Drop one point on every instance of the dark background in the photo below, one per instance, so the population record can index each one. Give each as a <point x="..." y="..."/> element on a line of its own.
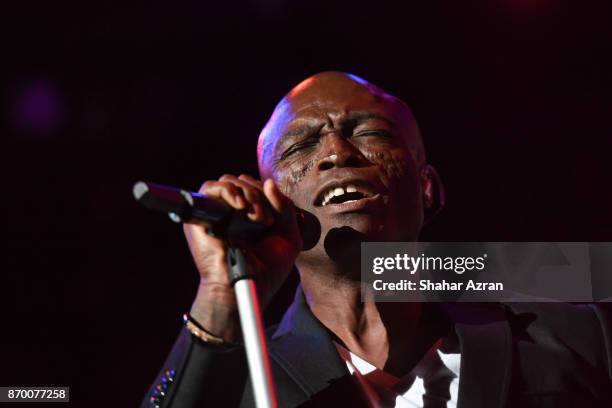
<point x="512" y="96"/>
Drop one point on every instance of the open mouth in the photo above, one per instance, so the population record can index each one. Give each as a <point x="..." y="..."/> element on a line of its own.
<point x="343" y="193"/>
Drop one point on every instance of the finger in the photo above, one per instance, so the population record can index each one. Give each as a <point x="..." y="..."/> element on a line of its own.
<point x="251" y="180"/>
<point x="229" y="192"/>
<point x="195" y="233"/>
<point x="281" y="203"/>
<point x="244" y="177"/>
<point x="243" y="181"/>
<point x="285" y="209"/>
<point x="255" y="198"/>
<point x="253" y="194"/>
<point x="199" y="238"/>
<point x="258" y="184"/>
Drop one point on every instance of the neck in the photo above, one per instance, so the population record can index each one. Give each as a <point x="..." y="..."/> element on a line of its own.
<point x="337" y="303"/>
<point x="391" y="336"/>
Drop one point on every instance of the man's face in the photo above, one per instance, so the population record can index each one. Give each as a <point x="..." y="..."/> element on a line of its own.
<point x="346" y="152"/>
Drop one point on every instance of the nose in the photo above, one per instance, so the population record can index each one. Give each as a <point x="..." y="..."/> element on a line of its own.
<point x="339" y="152"/>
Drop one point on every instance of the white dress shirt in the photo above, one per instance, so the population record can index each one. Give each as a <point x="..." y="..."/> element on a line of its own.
<point x="433" y="383"/>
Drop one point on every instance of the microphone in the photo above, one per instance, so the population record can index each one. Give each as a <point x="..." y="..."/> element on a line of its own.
<point x="195" y="208"/>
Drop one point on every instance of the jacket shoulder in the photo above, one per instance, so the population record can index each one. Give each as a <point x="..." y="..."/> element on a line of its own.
<point x="584" y="330"/>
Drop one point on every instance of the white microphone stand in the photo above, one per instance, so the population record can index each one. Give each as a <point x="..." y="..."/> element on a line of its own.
<point x="252" y="330"/>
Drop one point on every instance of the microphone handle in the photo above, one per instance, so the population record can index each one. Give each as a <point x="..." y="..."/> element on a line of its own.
<point x="195" y="208"/>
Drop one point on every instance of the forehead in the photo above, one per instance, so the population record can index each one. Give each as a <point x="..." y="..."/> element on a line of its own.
<point x="342" y="93"/>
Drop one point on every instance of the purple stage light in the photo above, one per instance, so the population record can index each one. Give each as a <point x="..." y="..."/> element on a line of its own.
<point x="38" y="108"/>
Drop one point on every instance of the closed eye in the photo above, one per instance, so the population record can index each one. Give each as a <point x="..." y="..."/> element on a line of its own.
<point x="297" y="147"/>
<point x="376" y="133"/>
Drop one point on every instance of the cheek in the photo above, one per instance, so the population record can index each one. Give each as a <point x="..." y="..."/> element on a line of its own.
<point x="394" y="165"/>
<point x="298" y="172"/>
<point x="289" y="181"/>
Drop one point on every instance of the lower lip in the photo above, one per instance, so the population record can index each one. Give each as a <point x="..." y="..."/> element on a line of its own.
<point x="355" y="205"/>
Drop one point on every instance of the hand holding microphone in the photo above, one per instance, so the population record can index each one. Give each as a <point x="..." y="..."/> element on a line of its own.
<point x="247" y="206"/>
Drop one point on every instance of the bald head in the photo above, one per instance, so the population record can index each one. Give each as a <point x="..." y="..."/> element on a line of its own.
<point x="334" y="93"/>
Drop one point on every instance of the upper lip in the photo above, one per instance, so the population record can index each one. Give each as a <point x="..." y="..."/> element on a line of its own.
<point x="368" y="188"/>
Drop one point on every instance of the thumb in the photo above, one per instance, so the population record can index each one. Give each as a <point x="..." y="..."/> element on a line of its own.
<point x="277" y="199"/>
<point x="282" y="205"/>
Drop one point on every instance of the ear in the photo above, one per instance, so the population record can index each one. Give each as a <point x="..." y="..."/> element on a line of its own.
<point x="433" y="192"/>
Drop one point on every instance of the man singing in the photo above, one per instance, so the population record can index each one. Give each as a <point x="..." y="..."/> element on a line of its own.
<point x="350" y="157"/>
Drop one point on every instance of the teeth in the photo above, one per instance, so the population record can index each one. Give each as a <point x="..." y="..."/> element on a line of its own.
<point x="338" y="191"/>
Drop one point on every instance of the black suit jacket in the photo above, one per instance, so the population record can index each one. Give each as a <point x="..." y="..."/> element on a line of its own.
<point x="520" y="355"/>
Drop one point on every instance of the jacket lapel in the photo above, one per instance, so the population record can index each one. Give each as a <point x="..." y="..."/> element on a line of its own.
<point x="485" y="342"/>
<point x="304" y="349"/>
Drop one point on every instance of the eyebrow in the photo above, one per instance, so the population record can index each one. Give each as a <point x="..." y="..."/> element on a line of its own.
<point x="300" y="130"/>
<point x="353" y="119"/>
<point x="356" y="118"/>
